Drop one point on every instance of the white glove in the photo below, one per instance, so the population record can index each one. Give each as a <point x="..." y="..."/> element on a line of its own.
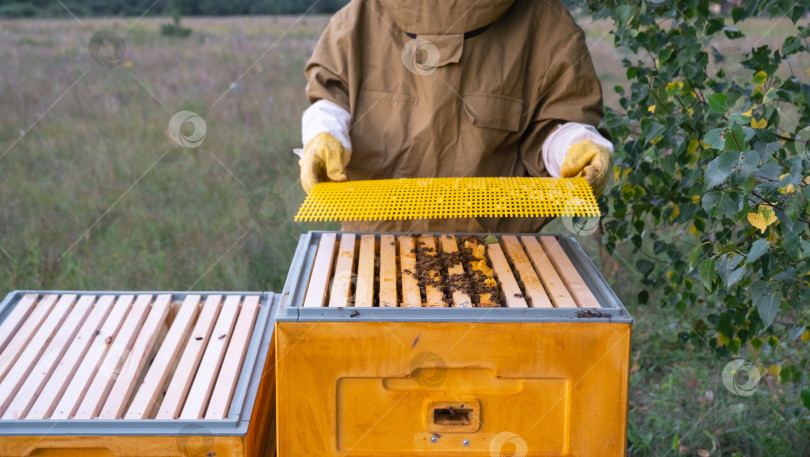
<point x="558" y="143"/>
<point x="325" y="116"/>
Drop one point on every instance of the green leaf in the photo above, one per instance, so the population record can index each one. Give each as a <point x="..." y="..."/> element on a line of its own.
<point x="709" y="201"/>
<point x="715" y="139"/>
<point x="720" y="168"/>
<point x="707" y="273"/>
<point x="806" y="398"/>
<point x="758" y="249"/>
<point x="738" y="14"/>
<point x="765" y="300"/>
<point x="718" y="103"/>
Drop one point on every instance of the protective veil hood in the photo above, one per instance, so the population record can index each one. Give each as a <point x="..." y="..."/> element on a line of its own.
<point x="444" y="17"/>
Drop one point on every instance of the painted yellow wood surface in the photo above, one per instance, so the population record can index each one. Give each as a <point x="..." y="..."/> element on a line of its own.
<point x="365" y="389"/>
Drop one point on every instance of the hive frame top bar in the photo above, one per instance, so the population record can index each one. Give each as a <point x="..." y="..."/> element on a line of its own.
<point x="241" y="407"/>
<point x="294" y="291"/>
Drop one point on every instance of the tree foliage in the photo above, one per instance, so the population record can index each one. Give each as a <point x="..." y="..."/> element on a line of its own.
<point x="712" y="171"/>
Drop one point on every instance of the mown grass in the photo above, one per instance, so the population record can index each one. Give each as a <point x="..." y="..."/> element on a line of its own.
<point x="95" y="196"/>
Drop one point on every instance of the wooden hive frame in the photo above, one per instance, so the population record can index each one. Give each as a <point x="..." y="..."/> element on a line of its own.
<point x="119" y="360"/>
<point x="445" y="270"/>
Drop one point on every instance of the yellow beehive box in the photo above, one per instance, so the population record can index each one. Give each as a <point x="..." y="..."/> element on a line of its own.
<point x="449" y="345"/>
<point x="126" y="374"/>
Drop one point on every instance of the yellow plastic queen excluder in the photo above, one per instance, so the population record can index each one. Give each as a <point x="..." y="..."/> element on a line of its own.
<point x="440" y="198"/>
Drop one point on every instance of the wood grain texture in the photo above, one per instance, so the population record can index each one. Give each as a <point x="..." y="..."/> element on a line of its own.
<point x="26" y="331"/>
<point x="321" y="269"/>
<point x="121" y="391"/>
<point x="84" y="375"/>
<point x="234" y="358"/>
<point x="388" y="272"/>
<point x="114" y="360"/>
<point x="448" y="244"/>
<point x="16" y="318"/>
<point x="32" y="352"/>
<point x="206" y="376"/>
<point x="173" y="343"/>
<point x="569" y="274"/>
<point x="364" y="289"/>
<point x="341" y="293"/>
<point x="434" y="297"/>
<point x="184" y="374"/>
<point x="557" y="292"/>
<point x="511" y="291"/>
<point x="65" y="370"/>
<point x="411" y="297"/>
<point x="32" y="386"/>
<point x="531" y="283"/>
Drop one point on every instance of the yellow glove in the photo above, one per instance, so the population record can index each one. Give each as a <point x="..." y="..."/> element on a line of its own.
<point x="323" y="160"/>
<point x="589" y="160"/>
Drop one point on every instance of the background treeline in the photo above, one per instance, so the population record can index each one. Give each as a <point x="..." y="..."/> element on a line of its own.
<point x="53" y="8"/>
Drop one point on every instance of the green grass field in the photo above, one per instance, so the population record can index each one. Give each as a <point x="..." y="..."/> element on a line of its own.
<point x="94" y="195"/>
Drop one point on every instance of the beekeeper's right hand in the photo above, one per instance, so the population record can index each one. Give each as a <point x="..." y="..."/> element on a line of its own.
<point x="323" y="160"/>
<point x="325" y="132"/>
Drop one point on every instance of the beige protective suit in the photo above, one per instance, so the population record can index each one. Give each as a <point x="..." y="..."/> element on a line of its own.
<point x="475" y="106"/>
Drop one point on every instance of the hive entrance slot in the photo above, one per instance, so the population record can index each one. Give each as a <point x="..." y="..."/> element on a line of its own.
<point x="452" y="416"/>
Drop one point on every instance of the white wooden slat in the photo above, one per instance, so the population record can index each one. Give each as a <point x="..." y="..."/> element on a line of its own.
<point x="26" y="331"/>
<point x="32" y="352"/>
<point x="170" y="348"/>
<point x="80" y="383"/>
<point x="205" y="378"/>
<point x="66" y="369"/>
<point x="234" y="357"/>
<point x="125" y="382"/>
<point x="114" y="360"/>
<point x="184" y="373"/>
<point x="47" y="362"/>
<point x="16" y="318"/>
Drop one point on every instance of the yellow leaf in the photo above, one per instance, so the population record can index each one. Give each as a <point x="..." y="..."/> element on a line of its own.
<point x="805" y="336"/>
<point x="695" y="198"/>
<point x="694" y="231"/>
<point x="762" y="218"/>
<point x="774" y="370"/>
<point x="760" y="124"/>
<point x="675" y="212"/>
<point x="651" y="109"/>
<point x="749" y="113"/>
<point x="722" y="340"/>
<point x="789" y="189"/>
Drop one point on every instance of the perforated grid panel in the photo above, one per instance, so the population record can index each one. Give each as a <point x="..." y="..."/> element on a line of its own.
<point x="440" y="198"/>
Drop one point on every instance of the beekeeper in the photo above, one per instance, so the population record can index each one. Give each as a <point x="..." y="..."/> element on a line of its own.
<point x="452" y="88"/>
